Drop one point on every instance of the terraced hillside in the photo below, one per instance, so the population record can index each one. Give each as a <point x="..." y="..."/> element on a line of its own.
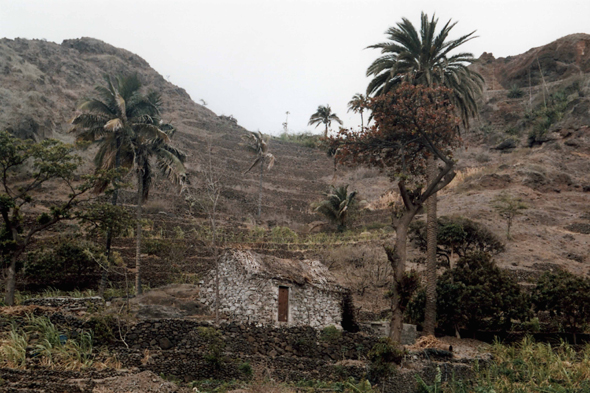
<point x="532" y="140"/>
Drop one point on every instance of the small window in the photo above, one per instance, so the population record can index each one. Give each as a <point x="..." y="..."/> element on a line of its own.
<point x="283" y="304"/>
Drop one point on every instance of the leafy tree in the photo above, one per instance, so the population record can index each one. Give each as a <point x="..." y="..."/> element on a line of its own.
<point x="128" y="127"/>
<point x="337" y="205"/>
<point x="508" y="207"/>
<point x="358" y="104"/>
<point x="63" y="263"/>
<point x="474" y="295"/>
<point x="426" y="58"/>
<point x="48" y="161"/>
<point x="457" y="236"/>
<point x="412" y="122"/>
<point x="325" y="116"/>
<point x="566" y="297"/>
<point x="258" y="146"/>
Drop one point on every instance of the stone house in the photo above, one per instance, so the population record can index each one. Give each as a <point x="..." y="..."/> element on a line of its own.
<point x="267" y="290"/>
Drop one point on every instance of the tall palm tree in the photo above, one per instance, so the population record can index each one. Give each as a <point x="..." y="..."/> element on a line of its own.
<point x="324" y="115"/>
<point x="258" y="146"/>
<point x="425" y="58"/>
<point x="118" y="120"/>
<point x="337" y="205"/>
<point x="358" y="105"/>
<point x="169" y="161"/>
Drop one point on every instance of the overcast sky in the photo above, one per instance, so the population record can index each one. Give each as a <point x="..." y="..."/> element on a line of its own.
<point x="258" y="59"/>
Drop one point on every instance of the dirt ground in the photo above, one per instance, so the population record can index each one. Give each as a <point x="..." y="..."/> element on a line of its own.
<point x="144" y="382"/>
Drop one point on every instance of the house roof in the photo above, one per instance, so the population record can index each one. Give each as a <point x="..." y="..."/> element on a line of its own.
<point x="302" y="272"/>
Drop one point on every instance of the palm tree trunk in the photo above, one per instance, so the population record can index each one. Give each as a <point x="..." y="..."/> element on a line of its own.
<point x="326" y="131"/>
<point x="138" y="290"/>
<point x="260" y="188"/>
<point x="104" y="275"/>
<point x="431" y="233"/>
<point x="362" y="122"/>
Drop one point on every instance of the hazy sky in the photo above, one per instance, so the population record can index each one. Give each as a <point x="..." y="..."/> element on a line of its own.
<point x="257" y="59"/>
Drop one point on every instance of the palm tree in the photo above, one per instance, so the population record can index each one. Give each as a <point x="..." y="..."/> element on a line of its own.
<point x="324" y="116"/>
<point x="258" y="146"/>
<point x="425" y="58"/>
<point x="358" y="105"/>
<point x="119" y="120"/>
<point x="170" y="162"/>
<point x="337" y="205"/>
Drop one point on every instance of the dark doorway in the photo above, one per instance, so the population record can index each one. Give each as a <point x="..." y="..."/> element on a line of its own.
<point x="283" y="304"/>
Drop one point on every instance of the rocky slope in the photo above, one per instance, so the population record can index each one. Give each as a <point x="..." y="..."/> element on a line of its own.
<point x="41" y="82"/>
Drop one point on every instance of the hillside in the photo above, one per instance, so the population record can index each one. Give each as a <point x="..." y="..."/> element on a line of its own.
<point x="42" y="82"/>
<point x="535" y="145"/>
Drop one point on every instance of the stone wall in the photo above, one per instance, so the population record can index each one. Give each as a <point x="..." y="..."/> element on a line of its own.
<point x="254" y="299"/>
<point x="175" y="347"/>
<point x="68" y="303"/>
<point x="250" y="340"/>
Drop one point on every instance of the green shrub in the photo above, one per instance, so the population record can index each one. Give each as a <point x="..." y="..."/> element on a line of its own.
<point x="515" y="92"/>
<point x="158" y="247"/>
<point x="566" y="297"/>
<point x="513" y="131"/>
<point x="306" y="139"/>
<point x="457" y="235"/>
<point x="64" y="263"/>
<point x="246" y="369"/>
<point x="383" y="357"/>
<point x="330" y="333"/>
<point x="283" y="235"/>
<point x="215" y="345"/>
<point x="257" y="234"/>
<point x="476" y="294"/>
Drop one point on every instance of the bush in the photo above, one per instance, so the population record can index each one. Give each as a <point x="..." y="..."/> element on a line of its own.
<point x="457" y="235"/>
<point x="383" y="357"/>
<point x="566" y="297"/>
<point x="515" y="92"/>
<point x="283" y="235"/>
<point x="246" y="369"/>
<point x="330" y="333"/>
<point x="215" y="345"/>
<point x="64" y="263"/>
<point x="476" y="295"/>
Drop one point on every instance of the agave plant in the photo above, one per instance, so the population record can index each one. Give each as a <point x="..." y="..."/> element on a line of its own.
<point x="337" y="205"/>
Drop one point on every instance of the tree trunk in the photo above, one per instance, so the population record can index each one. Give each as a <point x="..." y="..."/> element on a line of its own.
<point x="326" y="131"/>
<point x="431" y="232"/>
<point x="104" y="274"/>
<point x="260" y="189"/>
<point x="216" y="256"/>
<point x="362" y="122"/>
<point x="397" y="259"/>
<point x="10" y="283"/>
<point x="138" y="290"/>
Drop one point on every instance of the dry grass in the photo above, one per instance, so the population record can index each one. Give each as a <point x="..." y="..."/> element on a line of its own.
<point x="462" y="177"/>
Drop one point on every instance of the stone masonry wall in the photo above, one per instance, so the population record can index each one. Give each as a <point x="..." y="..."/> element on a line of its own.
<point x="254" y="299"/>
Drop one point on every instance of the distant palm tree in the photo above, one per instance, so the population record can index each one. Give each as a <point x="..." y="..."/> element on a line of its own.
<point x="358" y="105"/>
<point x="324" y="116"/>
<point x="258" y="146"/>
<point x="127" y="126"/>
<point x="337" y="205"/>
<point x="425" y="58"/>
